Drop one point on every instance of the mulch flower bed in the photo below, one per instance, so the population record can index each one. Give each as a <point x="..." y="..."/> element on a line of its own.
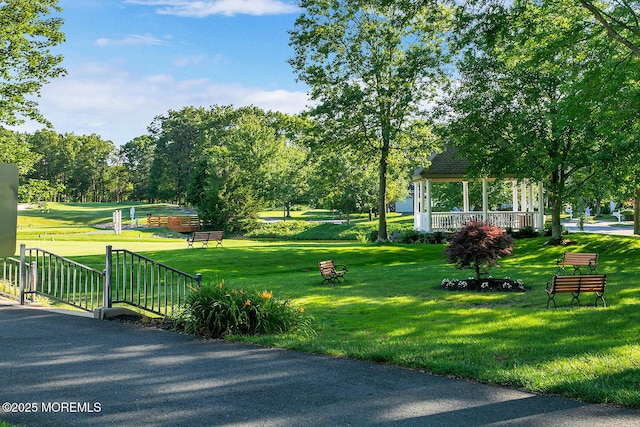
<point x="484" y="284"/>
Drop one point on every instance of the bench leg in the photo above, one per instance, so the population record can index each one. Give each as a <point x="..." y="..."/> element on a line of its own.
<point x="575" y="298"/>
<point x="552" y="297"/>
<point x="601" y="298"/>
<point x="189" y="244"/>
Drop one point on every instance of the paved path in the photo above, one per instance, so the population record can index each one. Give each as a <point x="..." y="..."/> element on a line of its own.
<point x="76" y="371"/>
<point x="601" y="227"/>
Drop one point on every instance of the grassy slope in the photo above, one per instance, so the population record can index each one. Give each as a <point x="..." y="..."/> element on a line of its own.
<point x="391" y="310"/>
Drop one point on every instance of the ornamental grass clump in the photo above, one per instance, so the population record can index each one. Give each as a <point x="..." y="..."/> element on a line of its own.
<point x="214" y="311"/>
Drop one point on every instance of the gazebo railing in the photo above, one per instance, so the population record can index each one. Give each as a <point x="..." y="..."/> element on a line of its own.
<point x="444" y="221"/>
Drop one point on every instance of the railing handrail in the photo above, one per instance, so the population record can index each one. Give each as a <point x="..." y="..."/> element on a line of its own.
<point x="61" y="258"/>
<point x="151" y="261"/>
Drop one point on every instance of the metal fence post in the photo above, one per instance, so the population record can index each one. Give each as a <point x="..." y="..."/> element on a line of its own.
<point x="33" y="280"/>
<point x="198" y="280"/>
<point x="106" y="292"/>
<point x="23" y="272"/>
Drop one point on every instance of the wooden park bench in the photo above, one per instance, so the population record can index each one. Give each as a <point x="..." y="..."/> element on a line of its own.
<point x="331" y="272"/>
<point x="578" y="260"/>
<point x="205" y="237"/>
<point x="575" y="285"/>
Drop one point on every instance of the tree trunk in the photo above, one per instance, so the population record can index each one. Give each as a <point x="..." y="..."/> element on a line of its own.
<point x="636" y="211"/>
<point x="383" y="235"/>
<point x="556" y="226"/>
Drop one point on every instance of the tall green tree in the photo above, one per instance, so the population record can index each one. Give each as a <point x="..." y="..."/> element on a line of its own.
<point x="55" y="164"/>
<point x="91" y="159"/>
<point x="180" y="139"/>
<point x="371" y="66"/>
<point x="28" y="32"/>
<point x="15" y="149"/>
<point x="343" y="182"/>
<point x="534" y="88"/>
<point x="251" y="160"/>
<point x="621" y="21"/>
<point x="136" y="156"/>
<point x="291" y="166"/>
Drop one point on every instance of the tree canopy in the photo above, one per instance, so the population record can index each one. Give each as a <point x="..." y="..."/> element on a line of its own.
<point x="27" y="34"/>
<point x="537" y="91"/>
<point x="372" y="66"/>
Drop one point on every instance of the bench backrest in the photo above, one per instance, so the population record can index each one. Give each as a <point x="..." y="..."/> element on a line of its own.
<point x="580" y="283"/>
<point x="216" y="235"/>
<point x="199" y="235"/>
<point x="326" y="267"/>
<point x="573" y="258"/>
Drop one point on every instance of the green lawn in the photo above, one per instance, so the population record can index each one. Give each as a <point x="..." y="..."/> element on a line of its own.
<point x="391" y="309"/>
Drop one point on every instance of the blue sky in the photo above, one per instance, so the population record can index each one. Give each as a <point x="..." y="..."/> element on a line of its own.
<point x="129" y="61"/>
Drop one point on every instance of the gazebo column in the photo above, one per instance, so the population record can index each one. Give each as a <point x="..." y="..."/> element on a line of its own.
<point x="465" y="196"/>
<point x="530" y="198"/>
<point x="523" y="196"/>
<point x="428" y="206"/>
<point x="514" y="198"/>
<point x="417" y="213"/>
<point x="541" y="206"/>
<point x="485" y="200"/>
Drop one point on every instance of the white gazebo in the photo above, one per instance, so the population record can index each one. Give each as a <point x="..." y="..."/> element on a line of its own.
<point x="449" y="167"/>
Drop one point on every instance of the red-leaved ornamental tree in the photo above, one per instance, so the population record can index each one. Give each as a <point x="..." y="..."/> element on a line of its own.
<point x="478" y="246"/>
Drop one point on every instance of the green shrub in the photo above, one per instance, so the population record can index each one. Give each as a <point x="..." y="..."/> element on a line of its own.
<point x="415" y="236"/>
<point x="627" y="214"/>
<point x="305" y="230"/>
<point x="288" y="230"/>
<point x="215" y="311"/>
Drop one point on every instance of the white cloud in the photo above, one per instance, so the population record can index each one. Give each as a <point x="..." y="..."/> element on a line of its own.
<point x="131" y="40"/>
<point x="118" y="106"/>
<point x="204" y="8"/>
<point x="185" y="61"/>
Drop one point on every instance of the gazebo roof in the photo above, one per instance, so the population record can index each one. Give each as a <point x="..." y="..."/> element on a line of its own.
<point x="445" y="166"/>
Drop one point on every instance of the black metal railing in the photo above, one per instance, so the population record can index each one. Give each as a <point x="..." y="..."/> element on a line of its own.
<point x="128" y="278"/>
<point x="62" y="279"/>
<point x="139" y="281"/>
<point x="10" y="280"/>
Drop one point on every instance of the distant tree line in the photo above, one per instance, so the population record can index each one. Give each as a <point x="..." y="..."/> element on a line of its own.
<point x="228" y="163"/>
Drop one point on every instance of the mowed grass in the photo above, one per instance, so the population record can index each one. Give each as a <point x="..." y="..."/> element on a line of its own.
<point x="391" y="309"/>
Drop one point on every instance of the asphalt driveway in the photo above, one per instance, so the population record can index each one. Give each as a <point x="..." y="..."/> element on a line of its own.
<point x="63" y="370"/>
